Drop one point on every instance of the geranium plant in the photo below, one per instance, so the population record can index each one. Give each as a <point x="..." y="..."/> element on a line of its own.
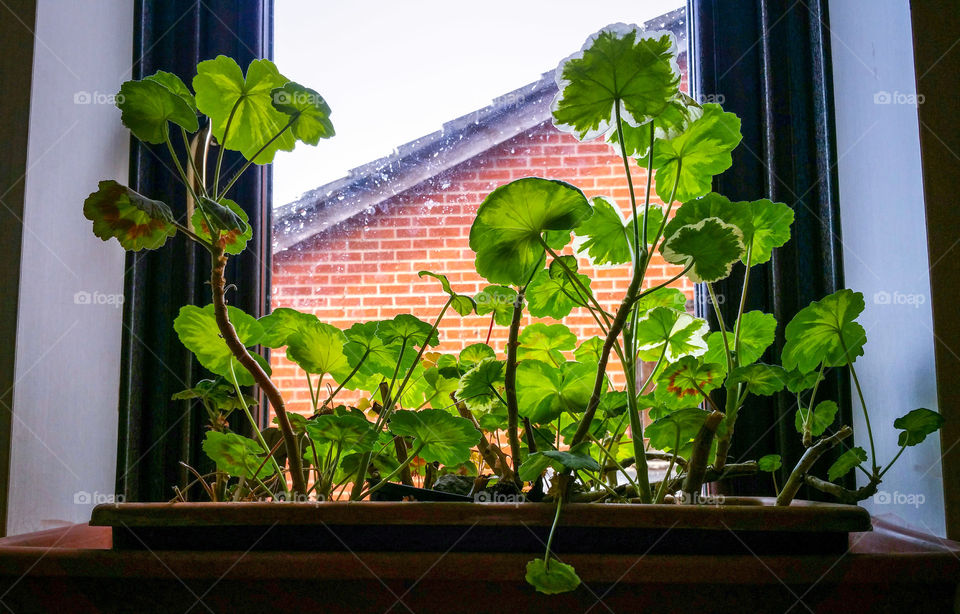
<point x="569" y="435"/>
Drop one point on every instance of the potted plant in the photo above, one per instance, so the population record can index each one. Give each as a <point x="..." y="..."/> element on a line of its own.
<point x="571" y="439"/>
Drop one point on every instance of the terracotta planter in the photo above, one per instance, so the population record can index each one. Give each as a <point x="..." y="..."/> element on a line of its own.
<point x="739" y="526"/>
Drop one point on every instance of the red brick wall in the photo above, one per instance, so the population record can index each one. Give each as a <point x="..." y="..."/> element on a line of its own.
<point x="366" y="268"/>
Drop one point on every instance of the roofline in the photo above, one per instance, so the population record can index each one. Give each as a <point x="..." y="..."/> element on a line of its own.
<point x="413" y="163"/>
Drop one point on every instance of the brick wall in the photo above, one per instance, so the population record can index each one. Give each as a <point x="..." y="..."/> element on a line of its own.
<point x="366" y="268"/>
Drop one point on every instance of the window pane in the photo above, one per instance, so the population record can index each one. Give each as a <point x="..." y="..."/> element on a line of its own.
<point x="419" y="145"/>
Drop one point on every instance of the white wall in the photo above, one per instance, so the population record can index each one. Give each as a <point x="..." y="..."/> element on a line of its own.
<point x="64" y="433"/>
<point x="884" y="244"/>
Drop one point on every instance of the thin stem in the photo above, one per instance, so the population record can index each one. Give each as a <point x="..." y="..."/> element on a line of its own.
<point x="574" y="278"/>
<point x="633" y="197"/>
<point x="254" y="426"/>
<point x="223" y="192"/>
<point x="890" y="464"/>
<point x="553" y="530"/>
<point x="223" y="147"/>
<point x="863" y="404"/>
<point x="723" y="328"/>
<point x="743" y="303"/>
<point x="347" y="379"/>
<point x="383" y="482"/>
<point x="192" y="160"/>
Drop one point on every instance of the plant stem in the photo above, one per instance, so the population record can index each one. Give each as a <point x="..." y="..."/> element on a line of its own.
<point x="863" y="403"/>
<point x="223" y="147"/>
<point x="383" y="482"/>
<point x="510" y="380"/>
<point x="743" y="304"/>
<point x="697" y="465"/>
<point x="253" y="425"/>
<point x="553" y="530"/>
<point x="806" y="462"/>
<point x="239" y="351"/>
<point x="662" y="491"/>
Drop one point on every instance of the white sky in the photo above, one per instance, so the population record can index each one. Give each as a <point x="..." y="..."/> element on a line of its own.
<point x="394" y="71"/>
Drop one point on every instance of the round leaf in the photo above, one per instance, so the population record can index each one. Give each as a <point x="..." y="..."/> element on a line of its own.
<point x="318" y="349"/>
<point x="761" y="379"/>
<point x="709" y="247"/>
<point x="480" y="386"/>
<point x="135" y="221"/>
<point x="236" y="455"/>
<point x="847" y="461"/>
<point x="409" y="329"/>
<point x="232" y="240"/>
<point x="506" y="234"/>
<point x="440" y="436"/>
<point x="223" y="91"/>
<point x="681" y="333"/>
<point x="757" y="331"/>
<point x="350" y="432"/>
<point x="619" y="66"/>
<point x="551" y="577"/>
<point x="769" y="463"/>
<point x="544" y="391"/>
<point x="546" y="342"/>
<point x="916" y="425"/>
<point x="308" y="111"/>
<point x="821" y="330"/>
<point x="498" y="300"/>
<point x="146" y="107"/>
<point x="197" y="329"/>
<point x="823" y="416"/>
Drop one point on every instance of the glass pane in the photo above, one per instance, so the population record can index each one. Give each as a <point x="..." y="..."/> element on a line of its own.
<point x="433" y="110"/>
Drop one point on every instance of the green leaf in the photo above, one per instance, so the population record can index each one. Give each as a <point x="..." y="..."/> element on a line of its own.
<point x="409" y="329"/>
<point x="173" y="83"/>
<point x="614" y="403"/>
<point x="662" y="433"/>
<point x="480" y="386"/>
<point x="318" y="349"/>
<point x="197" y="329"/>
<point x="308" y="111"/>
<point x="506" y="234"/>
<point x="146" y="107"/>
<point x="762" y="380"/>
<point x="589" y="351"/>
<point x="280" y="324"/>
<point x="233" y="240"/>
<point x="136" y="221"/>
<point x="681" y="333"/>
<point x="767" y="226"/>
<point x="552" y="577"/>
<point x="681" y="382"/>
<point x="710" y="247"/>
<point x="674" y="120"/>
<point x="546" y="342"/>
<point x="545" y="391"/>
<point x="379" y="359"/>
<point x="236" y="455"/>
<point x="574" y="459"/>
<point x="819" y="332"/>
<point x="438" y="389"/>
<point x="823" y="416"/>
<point x="798" y="381"/>
<point x="222" y="90"/>
<point x="757" y="331"/>
<point x="699" y="152"/>
<point x="464" y="305"/>
<point x="619" y="66"/>
<point x="663" y="297"/>
<point x="609" y="237"/>
<point x="847" y="461"/>
<point x="349" y="432"/>
<point x="552" y="294"/>
<point x="218" y="394"/>
<point x="769" y="463"/>
<point x="916" y="425"/>
<point x="473" y="354"/>
<point x="222" y="217"/>
<point x="440" y="436"/>
<point x="498" y="300"/>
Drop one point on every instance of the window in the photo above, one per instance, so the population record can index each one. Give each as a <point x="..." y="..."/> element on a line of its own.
<point x="419" y="146"/>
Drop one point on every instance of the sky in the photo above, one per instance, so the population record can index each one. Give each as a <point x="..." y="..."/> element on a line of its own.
<point x="395" y="71"/>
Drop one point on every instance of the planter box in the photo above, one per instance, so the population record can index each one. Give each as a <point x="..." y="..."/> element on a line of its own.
<point x="75" y="570"/>
<point x="739" y="526"/>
